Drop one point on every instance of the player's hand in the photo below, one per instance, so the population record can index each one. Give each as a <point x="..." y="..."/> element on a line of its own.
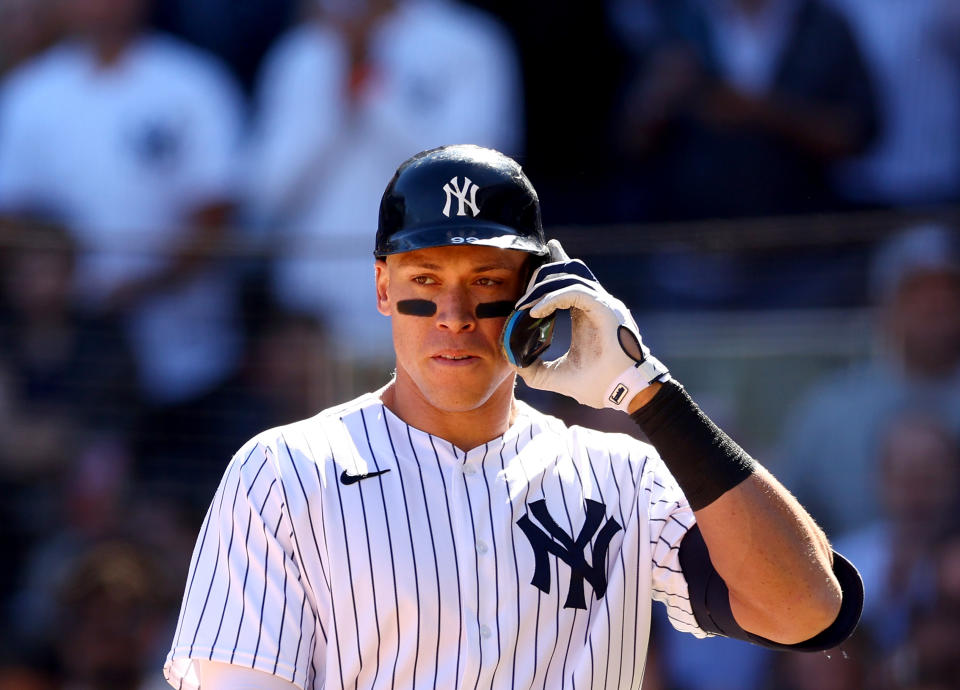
<point x="607" y="363"/>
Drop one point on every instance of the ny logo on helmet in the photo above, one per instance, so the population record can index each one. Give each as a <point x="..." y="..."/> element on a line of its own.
<point x="461" y="194"/>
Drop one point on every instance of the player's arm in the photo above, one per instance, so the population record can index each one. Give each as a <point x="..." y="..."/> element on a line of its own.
<point x="215" y="675"/>
<point x="757" y="565"/>
<point x="774" y="561"/>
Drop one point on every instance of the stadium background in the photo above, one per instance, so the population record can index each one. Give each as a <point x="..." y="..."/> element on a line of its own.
<point x="815" y="315"/>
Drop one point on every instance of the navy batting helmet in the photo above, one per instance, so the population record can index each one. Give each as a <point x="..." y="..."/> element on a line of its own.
<point x="459" y="195"/>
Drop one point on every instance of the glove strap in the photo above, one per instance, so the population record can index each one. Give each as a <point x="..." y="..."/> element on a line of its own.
<point x="633" y="380"/>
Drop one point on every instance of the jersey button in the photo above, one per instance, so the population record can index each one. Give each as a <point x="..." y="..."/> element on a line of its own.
<point x="485" y="631"/>
<point x="469" y="470"/>
<point x="481" y="547"/>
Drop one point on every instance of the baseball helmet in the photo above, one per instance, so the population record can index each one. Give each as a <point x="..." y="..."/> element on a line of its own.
<point x="459" y="195"/>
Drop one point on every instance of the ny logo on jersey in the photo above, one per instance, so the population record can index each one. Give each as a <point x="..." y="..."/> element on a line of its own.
<point x="570" y="550"/>
<point x="453" y="189"/>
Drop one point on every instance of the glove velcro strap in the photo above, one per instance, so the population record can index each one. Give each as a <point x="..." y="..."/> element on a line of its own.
<point x="633" y="380"/>
<point x="705" y="461"/>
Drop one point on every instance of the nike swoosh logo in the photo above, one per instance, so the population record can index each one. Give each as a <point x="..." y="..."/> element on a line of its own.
<point x="348" y="479"/>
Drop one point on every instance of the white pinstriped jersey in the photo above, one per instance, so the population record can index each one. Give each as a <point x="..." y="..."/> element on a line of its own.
<point x="528" y="562"/>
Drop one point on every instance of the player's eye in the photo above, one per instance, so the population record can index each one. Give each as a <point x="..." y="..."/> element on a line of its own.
<point x="424" y="280"/>
<point x="487" y="282"/>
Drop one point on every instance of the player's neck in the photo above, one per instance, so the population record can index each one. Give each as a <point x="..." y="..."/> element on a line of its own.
<point x="465" y="429"/>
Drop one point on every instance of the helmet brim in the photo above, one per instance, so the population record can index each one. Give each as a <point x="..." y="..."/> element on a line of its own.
<point x="478" y="233"/>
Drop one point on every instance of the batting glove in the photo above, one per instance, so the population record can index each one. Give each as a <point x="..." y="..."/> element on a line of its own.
<point x="607" y="363"/>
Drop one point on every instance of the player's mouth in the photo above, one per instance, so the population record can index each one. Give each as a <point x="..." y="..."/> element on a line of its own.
<point x="453" y="358"/>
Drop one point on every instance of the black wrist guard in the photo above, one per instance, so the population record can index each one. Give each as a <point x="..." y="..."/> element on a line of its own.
<point x="705" y="461"/>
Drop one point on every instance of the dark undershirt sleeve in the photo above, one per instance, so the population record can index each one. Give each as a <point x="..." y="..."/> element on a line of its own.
<point x="710" y="600"/>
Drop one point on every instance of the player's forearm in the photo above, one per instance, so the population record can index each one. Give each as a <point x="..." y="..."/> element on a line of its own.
<point x="776" y="562"/>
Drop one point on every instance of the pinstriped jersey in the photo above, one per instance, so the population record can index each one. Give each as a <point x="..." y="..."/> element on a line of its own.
<point x="351" y="550"/>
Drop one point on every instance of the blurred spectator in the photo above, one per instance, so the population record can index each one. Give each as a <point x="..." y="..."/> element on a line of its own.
<point x="239" y="32"/>
<point x="738" y="108"/>
<point x="913" y="52"/>
<point x="832" y="431"/>
<point x="571" y="66"/>
<point x="668" y="47"/>
<point x="87" y="505"/>
<point x="130" y="139"/>
<point x="289" y="373"/>
<point x="292" y="370"/>
<point x="928" y="659"/>
<point x="919" y="487"/>
<point x="25" y="678"/>
<point x="948" y="568"/>
<point x="20" y="673"/>
<point x="99" y="509"/>
<point x="111" y="617"/>
<point x="63" y="382"/>
<point x="343" y="99"/>
<point x="26" y="28"/>
<point x="70" y="367"/>
<point x="744" y="113"/>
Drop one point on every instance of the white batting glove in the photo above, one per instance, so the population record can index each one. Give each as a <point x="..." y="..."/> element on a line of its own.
<point x="607" y="363"/>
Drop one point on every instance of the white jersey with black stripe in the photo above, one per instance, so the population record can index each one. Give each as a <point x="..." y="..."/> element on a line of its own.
<point x="351" y="550"/>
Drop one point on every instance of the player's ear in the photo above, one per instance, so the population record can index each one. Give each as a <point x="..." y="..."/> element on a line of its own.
<point x="382" y="280"/>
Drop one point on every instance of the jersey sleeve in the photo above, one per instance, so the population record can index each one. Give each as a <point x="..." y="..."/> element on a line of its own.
<point x="245" y="602"/>
<point x="670" y="518"/>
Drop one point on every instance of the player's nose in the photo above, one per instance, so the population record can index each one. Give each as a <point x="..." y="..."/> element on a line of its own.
<point x="456" y="311"/>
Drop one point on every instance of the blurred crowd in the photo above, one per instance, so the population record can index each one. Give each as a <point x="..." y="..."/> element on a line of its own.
<point x="188" y="195"/>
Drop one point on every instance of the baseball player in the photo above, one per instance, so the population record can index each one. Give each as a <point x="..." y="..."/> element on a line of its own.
<point x="439" y="533"/>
